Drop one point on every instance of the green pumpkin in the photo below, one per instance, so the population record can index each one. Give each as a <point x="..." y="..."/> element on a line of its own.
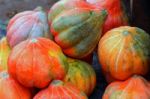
<point x="76" y="30"/>
<point x="82" y="75"/>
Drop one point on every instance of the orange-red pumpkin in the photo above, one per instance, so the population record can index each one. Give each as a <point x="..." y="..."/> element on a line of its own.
<point x="123" y="52"/>
<point x="60" y="90"/>
<point x="4" y="53"/>
<point x="76" y="29"/>
<point x="11" y="89"/>
<point x="35" y="62"/>
<point x="135" y="87"/>
<point x="82" y="75"/>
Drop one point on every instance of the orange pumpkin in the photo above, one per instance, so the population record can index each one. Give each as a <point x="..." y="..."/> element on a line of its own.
<point x="135" y="87"/>
<point x="11" y="89"/>
<point x="123" y="52"/>
<point x="35" y="62"/>
<point x="4" y="53"/>
<point x="60" y="90"/>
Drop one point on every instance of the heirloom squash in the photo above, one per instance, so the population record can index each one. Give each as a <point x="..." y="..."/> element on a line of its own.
<point x="11" y="89"/>
<point x="4" y="53"/>
<point x="76" y="30"/>
<point x="60" y="90"/>
<point x="27" y="24"/>
<point x="124" y="51"/>
<point x="117" y="15"/>
<point x="35" y="62"/>
<point x="82" y="75"/>
<point x="135" y="87"/>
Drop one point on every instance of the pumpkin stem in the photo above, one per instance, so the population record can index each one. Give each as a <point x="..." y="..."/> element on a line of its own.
<point x="57" y="82"/>
<point x="39" y="8"/>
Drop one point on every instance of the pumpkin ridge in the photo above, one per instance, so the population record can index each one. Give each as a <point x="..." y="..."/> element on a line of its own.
<point x="10" y="29"/>
<point x="80" y="28"/>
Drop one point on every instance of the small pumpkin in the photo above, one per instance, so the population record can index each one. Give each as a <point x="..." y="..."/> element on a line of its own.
<point x="4" y="53"/>
<point x="76" y="30"/>
<point x="124" y="51"/>
<point x="82" y="75"/>
<point x="117" y="15"/>
<point x="35" y="62"/>
<point x="135" y="87"/>
<point x="11" y="89"/>
<point x="27" y="24"/>
<point x="60" y="90"/>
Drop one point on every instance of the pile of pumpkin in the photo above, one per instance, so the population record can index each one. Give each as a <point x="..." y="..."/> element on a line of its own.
<point x="46" y="52"/>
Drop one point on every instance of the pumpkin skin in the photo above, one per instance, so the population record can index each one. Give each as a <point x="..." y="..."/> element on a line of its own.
<point x="135" y="87"/>
<point x="35" y="62"/>
<point x="82" y="75"/>
<point x="64" y="5"/>
<point x="27" y="24"/>
<point x="60" y="90"/>
<point x="123" y="52"/>
<point x="11" y="89"/>
<point x="4" y="53"/>
<point x="75" y="27"/>
<point x="117" y="15"/>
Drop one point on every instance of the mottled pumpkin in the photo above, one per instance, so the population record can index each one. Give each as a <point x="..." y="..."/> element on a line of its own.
<point x="4" y="53"/>
<point x="135" y="87"/>
<point x="64" y="5"/>
<point x="82" y="75"/>
<point x="60" y="90"/>
<point x="11" y="89"/>
<point x="27" y="24"/>
<point x="76" y="30"/>
<point x="117" y="15"/>
<point x="35" y="62"/>
<point x="124" y="51"/>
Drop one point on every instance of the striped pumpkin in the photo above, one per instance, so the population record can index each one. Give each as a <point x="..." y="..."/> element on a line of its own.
<point x="76" y="30"/>
<point x="135" y="87"/>
<point x="4" y="53"/>
<point x="124" y="51"/>
<point x="82" y="75"/>
<point x="27" y="24"/>
<point x="60" y="90"/>
<point x="11" y="89"/>
<point x="35" y="62"/>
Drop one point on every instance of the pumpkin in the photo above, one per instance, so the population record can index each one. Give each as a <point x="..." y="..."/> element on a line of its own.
<point x="117" y="15"/>
<point x="4" y="53"/>
<point x="135" y="87"/>
<point x="63" y="5"/>
<point x="27" y="24"/>
<point x="35" y="62"/>
<point x="76" y="30"/>
<point x="82" y="75"/>
<point x="60" y="90"/>
<point x="124" y="51"/>
<point x="11" y="89"/>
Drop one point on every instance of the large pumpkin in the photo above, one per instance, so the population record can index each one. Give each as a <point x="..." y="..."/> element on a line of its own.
<point x="77" y="30"/>
<point x="117" y="15"/>
<point x="11" y="89"/>
<point x="134" y="88"/>
<point x="35" y="62"/>
<point x="27" y="24"/>
<point x="82" y="75"/>
<point x="124" y="51"/>
<point x="60" y="90"/>
<point x="4" y="53"/>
